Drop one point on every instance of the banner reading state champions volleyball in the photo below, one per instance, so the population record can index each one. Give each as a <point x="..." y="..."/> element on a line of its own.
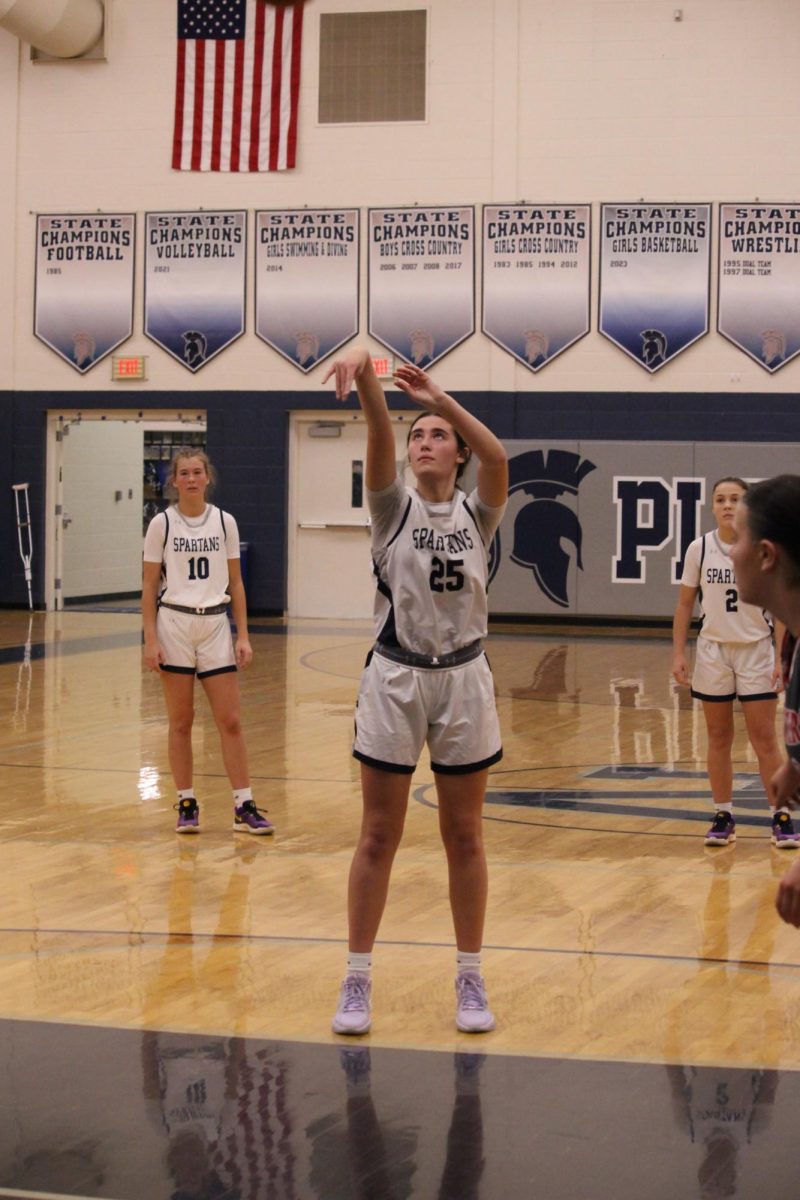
<point x="654" y="278"/>
<point x="194" y="282"/>
<point x="307" y="282"/>
<point x="759" y="280"/>
<point x="536" y="271"/>
<point x="422" y="280"/>
<point x="84" y="284"/>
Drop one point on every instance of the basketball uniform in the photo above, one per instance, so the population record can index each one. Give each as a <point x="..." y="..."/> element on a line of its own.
<point x="734" y="655"/>
<point x="194" y="553"/>
<point x="427" y="678"/>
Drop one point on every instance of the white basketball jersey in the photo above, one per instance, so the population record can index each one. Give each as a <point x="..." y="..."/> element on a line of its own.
<point x="430" y="561"/>
<point x="724" y="617"/>
<point x="194" y="552"/>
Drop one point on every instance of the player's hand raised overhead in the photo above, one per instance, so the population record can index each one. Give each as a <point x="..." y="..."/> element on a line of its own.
<point x="420" y="388"/>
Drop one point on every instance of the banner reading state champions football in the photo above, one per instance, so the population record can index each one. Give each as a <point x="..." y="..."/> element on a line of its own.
<point x="654" y="278"/>
<point x="536" y="267"/>
<point x="194" y="282"/>
<point x="84" y="284"/>
<point x="422" y="280"/>
<point x="307" y="282"/>
<point x="759" y="280"/>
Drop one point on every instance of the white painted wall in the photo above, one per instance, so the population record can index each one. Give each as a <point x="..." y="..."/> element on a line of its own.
<point x="102" y="543"/>
<point x="580" y="101"/>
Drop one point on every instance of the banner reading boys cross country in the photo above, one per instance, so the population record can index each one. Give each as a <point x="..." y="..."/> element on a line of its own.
<point x="759" y="281"/>
<point x="654" y="278"/>
<point x="84" y="284"/>
<point x="536" y="279"/>
<point x="421" y="280"/>
<point x="307" y="282"/>
<point x="194" y="282"/>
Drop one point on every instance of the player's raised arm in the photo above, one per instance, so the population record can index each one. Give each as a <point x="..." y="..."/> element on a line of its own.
<point x="489" y="450"/>
<point x="354" y="368"/>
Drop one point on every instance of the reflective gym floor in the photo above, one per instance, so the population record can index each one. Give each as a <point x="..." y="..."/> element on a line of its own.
<point x="165" y="1002"/>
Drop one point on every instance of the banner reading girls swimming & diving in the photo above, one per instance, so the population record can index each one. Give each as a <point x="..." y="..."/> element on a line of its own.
<point x="422" y="280"/>
<point x="307" y="291"/>
<point x="759" y="281"/>
<point x="654" y="278"/>
<point x="194" y="272"/>
<point x="536" y="271"/>
<point x="84" y="284"/>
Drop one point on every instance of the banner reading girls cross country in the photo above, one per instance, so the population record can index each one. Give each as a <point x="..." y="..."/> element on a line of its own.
<point x="654" y="278"/>
<point x="759" y="281"/>
<point x="84" y="284"/>
<point x="421" y="280"/>
<point x="536" y="269"/>
<point x="307" y="282"/>
<point x="194" y="282"/>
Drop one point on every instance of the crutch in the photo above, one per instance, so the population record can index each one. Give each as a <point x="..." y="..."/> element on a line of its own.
<point x="26" y="555"/>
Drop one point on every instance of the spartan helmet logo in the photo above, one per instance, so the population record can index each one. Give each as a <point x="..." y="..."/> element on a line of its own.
<point x="773" y="346"/>
<point x="537" y="345"/>
<point x="194" y="347"/>
<point x="654" y="347"/>
<point x="542" y="526"/>
<point x="421" y="344"/>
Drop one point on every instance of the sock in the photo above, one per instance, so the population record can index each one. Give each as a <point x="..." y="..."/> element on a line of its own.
<point x="775" y="812"/>
<point x="466" y="961"/>
<point x="241" y="796"/>
<point x="728" y="808"/>
<point x="359" y="963"/>
<point x="186" y="794"/>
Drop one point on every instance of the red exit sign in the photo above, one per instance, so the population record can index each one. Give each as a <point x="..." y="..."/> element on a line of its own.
<point x="128" y="368"/>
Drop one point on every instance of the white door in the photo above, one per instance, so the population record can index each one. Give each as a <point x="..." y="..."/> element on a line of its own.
<point x="330" y="567"/>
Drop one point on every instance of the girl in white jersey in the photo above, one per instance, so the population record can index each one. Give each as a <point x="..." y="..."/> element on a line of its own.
<point x="191" y="574"/>
<point x="735" y="656"/>
<point x="427" y="678"/>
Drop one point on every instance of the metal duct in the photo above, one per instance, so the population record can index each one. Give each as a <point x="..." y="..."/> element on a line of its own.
<point x="61" y="28"/>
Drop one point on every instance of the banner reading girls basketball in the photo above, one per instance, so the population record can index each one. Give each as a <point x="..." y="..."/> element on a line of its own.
<point x="84" y="284"/>
<point x="307" y="282"/>
<point x="536" y="270"/>
<point x="654" y="278"/>
<point x="194" y="282"/>
<point x="759" y="281"/>
<point x="421" y="280"/>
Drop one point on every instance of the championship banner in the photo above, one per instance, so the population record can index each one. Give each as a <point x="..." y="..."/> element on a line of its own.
<point x="307" y="288"/>
<point x="194" y="272"/>
<point x="759" y="281"/>
<point x="654" y="278"/>
<point x="83" y="307"/>
<point x="536" y="274"/>
<point x="421" y="280"/>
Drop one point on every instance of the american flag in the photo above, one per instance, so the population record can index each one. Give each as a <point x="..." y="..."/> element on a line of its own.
<point x="237" y="84"/>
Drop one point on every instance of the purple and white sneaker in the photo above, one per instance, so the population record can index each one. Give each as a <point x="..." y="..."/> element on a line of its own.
<point x="354" y="1014"/>
<point x="188" y="816"/>
<point x="247" y="819"/>
<point x="473" y="1014"/>
<point x="784" y="834"/>
<point x="722" y="830"/>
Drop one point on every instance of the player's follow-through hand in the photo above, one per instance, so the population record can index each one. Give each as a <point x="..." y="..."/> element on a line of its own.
<point x="346" y="370"/>
<point x="419" y="387"/>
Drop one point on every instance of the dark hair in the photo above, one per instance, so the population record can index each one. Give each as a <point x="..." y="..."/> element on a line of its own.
<point x="773" y="514"/>
<point x="730" y="479"/>
<point x="190" y="452"/>
<point x="463" y="448"/>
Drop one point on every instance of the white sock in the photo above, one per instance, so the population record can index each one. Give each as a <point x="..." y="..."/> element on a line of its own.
<point x="359" y="963"/>
<point x="728" y="808"/>
<point x="466" y="961"/>
<point x="186" y="794"/>
<point x="241" y="796"/>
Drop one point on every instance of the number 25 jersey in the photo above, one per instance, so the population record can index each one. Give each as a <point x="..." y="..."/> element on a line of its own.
<point x="430" y="562"/>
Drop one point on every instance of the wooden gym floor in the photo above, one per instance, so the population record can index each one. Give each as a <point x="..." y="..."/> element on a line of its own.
<point x="165" y="1002"/>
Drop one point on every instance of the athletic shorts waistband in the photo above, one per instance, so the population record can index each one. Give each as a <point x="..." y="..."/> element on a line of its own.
<point x="212" y="610"/>
<point x="410" y="658"/>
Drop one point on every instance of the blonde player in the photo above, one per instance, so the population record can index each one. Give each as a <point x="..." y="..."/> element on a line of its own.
<point x="735" y="657"/>
<point x="191" y="574"/>
<point x="427" y="678"/>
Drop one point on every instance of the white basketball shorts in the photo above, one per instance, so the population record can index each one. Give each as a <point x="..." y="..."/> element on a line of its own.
<point x="725" y="670"/>
<point x="195" y="645"/>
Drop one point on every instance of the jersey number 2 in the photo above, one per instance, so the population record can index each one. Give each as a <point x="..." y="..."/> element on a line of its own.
<point x="202" y="568"/>
<point x="446" y="576"/>
<point x="731" y="600"/>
